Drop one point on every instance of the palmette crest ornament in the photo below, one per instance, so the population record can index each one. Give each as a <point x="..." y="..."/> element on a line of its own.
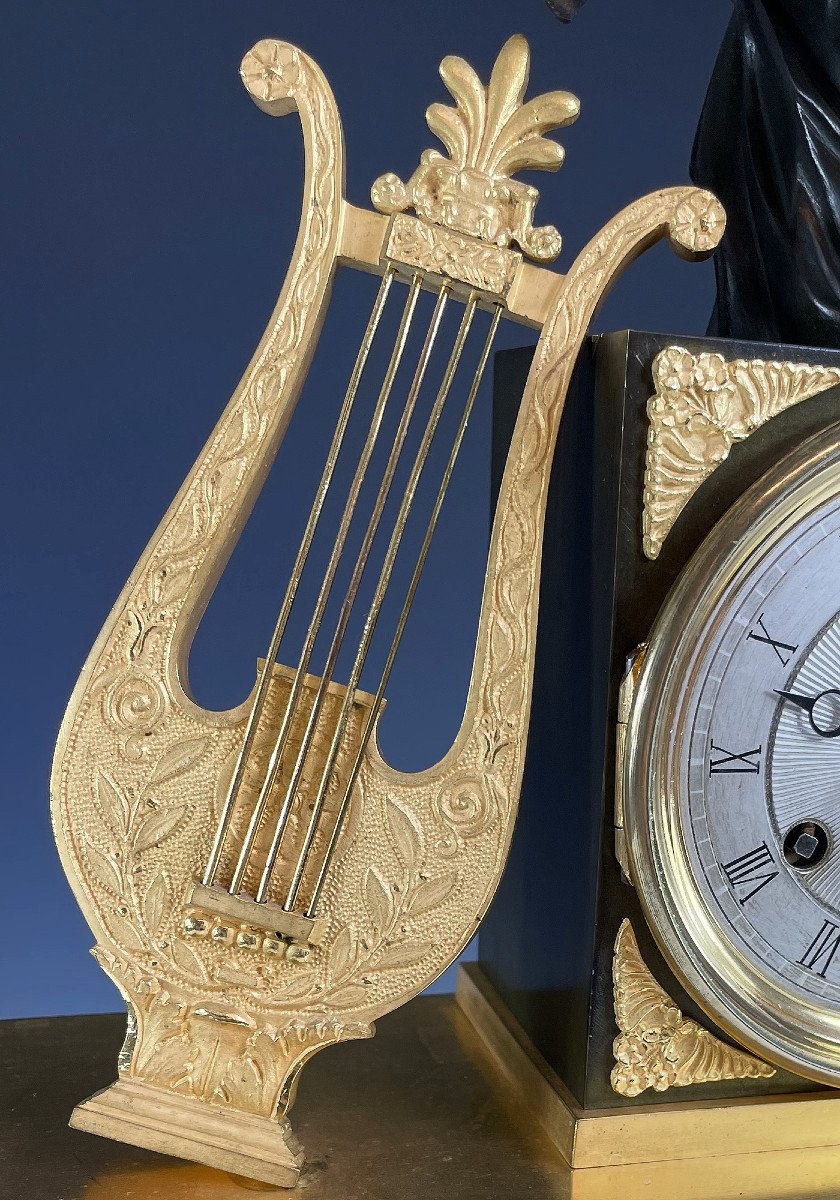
<point x="259" y="882"/>
<point x="490" y="135"/>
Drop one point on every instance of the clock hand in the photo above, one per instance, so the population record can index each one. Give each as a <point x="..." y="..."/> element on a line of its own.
<point x="808" y="703"/>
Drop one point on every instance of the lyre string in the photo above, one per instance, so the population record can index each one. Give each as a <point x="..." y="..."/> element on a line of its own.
<point x="353" y="588"/>
<point x="403" y="618"/>
<point x="376" y="606"/>
<point x="294" y="579"/>
<point x="326" y="586"/>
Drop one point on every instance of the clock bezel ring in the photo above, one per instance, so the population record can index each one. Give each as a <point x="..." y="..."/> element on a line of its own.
<point x="753" y="1008"/>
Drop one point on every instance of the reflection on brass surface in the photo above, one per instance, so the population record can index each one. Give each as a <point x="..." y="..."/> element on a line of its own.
<point x="625" y="702"/>
<point x="658" y="1047"/>
<point x="750" y="1004"/>
<point x="226" y="1016"/>
<point x="703" y="404"/>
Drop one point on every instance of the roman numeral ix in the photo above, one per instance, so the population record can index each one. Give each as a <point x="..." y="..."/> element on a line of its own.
<point x="784" y="650"/>
<point x="746" y="762"/>
<point x="752" y="871"/>
<point x="819" y="955"/>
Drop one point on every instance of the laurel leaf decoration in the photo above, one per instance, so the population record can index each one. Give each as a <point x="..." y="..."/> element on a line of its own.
<point x="403" y="954"/>
<point x="225" y="972"/>
<point x="156" y="904"/>
<point x="104" y="868"/>
<point x="234" y="434"/>
<point x="158" y="825"/>
<point x="225" y="480"/>
<point x="377" y="899"/>
<point x="188" y="960"/>
<point x="113" y="804"/>
<point x="432" y="892"/>
<point x="172" y="585"/>
<point x="347" y="997"/>
<point x="296" y="989"/>
<point x="341" y="953"/>
<point x="177" y="758"/>
<point x="126" y="932"/>
<point x="186" y="529"/>
<point x="405" y="833"/>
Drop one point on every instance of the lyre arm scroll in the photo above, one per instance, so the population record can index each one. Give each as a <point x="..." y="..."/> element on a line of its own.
<point x="280" y="78"/>
<point x="188" y="552"/>
<point x="694" y="222"/>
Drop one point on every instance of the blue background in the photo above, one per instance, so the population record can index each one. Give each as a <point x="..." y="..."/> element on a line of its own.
<point x="149" y="212"/>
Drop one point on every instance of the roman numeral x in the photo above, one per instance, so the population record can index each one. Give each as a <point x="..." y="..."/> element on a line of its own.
<point x="784" y="650"/>
<point x="746" y="762"/>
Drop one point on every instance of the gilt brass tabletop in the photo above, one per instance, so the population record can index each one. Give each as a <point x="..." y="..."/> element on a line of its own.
<point x="415" y="1114"/>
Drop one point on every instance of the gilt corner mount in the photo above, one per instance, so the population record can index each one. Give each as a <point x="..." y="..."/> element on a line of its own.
<point x="703" y="404"/>
<point x="657" y="1047"/>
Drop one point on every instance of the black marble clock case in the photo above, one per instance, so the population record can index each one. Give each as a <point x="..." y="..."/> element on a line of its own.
<point x="546" y="944"/>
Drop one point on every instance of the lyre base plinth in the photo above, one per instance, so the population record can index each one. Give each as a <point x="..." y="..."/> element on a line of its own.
<point x="646" y="1133"/>
<point x="157" y="1119"/>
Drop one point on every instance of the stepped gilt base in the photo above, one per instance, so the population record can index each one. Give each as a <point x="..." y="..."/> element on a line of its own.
<point x="647" y="1134"/>
<point x="158" y="1119"/>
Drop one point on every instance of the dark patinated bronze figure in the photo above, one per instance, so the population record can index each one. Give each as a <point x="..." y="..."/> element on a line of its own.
<point x="775" y="89"/>
<point x="565" y="9"/>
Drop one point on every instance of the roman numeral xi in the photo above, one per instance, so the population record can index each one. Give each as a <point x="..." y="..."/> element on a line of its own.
<point x="751" y="871"/>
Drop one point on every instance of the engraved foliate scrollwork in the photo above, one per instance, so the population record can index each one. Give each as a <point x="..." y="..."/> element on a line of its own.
<point x="439" y="251"/>
<point x="467" y="805"/>
<point x="490" y="135"/>
<point x="658" y="1047"/>
<point x="703" y="404"/>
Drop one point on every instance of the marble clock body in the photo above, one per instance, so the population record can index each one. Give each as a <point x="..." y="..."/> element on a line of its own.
<point x="668" y="929"/>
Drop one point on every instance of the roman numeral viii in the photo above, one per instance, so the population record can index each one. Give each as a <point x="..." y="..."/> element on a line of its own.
<point x="820" y="953"/>
<point x="783" y="650"/>
<point x="751" y="871"/>
<point x="745" y="762"/>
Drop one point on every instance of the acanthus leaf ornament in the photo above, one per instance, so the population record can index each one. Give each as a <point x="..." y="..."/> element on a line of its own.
<point x="658" y="1047"/>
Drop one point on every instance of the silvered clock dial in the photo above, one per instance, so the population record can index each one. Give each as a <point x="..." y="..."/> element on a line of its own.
<point x="732" y="769"/>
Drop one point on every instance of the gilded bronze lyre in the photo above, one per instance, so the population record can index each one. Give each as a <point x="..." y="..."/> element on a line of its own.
<point x="246" y="929"/>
